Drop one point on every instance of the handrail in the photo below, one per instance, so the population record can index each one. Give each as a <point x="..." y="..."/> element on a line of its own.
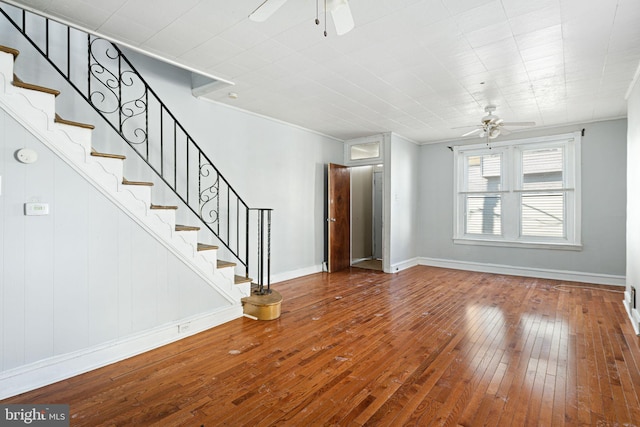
<point x="106" y="79"/>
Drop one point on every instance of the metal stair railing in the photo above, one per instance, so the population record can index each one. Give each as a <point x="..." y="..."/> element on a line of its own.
<point x="104" y="77"/>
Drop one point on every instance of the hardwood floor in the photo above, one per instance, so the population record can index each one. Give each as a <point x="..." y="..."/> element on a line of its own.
<point x="426" y="346"/>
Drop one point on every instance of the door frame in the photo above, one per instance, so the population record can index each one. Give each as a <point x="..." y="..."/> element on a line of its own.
<point x="383" y="159"/>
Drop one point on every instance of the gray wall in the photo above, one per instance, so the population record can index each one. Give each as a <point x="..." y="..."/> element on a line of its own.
<point x="603" y="208"/>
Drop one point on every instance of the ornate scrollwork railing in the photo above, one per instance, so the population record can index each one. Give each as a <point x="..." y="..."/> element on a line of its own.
<point x="104" y="77"/>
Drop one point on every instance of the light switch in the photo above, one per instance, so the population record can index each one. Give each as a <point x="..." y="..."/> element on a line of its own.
<point x="36" y="209"/>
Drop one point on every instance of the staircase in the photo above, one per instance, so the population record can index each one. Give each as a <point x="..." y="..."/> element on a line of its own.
<point x="34" y="107"/>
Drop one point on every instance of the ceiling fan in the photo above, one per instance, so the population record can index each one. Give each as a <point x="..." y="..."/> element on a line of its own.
<point x="339" y="9"/>
<point x="491" y="126"/>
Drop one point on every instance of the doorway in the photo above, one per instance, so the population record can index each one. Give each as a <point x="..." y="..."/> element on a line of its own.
<point x="366" y="217"/>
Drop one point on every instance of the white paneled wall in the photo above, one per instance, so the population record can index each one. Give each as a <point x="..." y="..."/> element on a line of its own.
<point x="633" y="207"/>
<point x="85" y="276"/>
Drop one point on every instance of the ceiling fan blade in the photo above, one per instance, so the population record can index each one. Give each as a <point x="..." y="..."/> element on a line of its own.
<point x="341" y="15"/>
<point x="519" y="124"/>
<point x="265" y="10"/>
<point x="471" y="132"/>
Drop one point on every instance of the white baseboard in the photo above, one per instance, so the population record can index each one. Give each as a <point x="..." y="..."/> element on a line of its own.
<point x="403" y="265"/>
<point x="571" y="276"/>
<point x="634" y="314"/>
<point x="48" y="371"/>
<point x="294" y="274"/>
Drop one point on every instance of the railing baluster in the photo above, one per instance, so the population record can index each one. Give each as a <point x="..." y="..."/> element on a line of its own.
<point x="88" y="97"/>
<point x="161" y="141"/>
<point x="146" y="119"/>
<point x="69" y="53"/>
<point x="175" y="158"/>
<point x="46" y="36"/>
<point x="269" y="251"/>
<point x="246" y="247"/>
<point x="120" y="93"/>
<point x="260" y="249"/>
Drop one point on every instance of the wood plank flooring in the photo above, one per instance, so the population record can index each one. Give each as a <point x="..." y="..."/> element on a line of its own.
<point x="427" y="346"/>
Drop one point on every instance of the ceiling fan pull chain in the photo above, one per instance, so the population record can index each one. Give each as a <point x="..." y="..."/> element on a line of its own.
<point x="317" y="12"/>
<point x="325" y="18"/>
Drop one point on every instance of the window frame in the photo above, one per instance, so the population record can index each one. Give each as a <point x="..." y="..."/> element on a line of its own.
<point x="512" y="191"/>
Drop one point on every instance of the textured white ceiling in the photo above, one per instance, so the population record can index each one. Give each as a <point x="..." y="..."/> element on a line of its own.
<point x="415" y="67"/>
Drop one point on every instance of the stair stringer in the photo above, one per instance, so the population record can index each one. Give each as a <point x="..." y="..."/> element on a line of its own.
<point x="36" y="112"/>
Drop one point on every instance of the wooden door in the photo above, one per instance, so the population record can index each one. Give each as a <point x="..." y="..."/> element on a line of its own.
<point x="339" y="221"/>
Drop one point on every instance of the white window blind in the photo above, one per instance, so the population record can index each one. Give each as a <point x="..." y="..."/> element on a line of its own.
<point x="522" y="192"/>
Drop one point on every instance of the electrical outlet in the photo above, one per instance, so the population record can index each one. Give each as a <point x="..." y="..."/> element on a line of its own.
<point x="184" y="327"/>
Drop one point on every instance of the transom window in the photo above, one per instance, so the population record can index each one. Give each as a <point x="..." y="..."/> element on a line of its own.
<point x="519" y="193"/>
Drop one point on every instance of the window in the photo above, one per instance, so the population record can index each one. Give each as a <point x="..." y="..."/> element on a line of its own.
<point x="519" y="193"/>
<point x="370" y="150"/>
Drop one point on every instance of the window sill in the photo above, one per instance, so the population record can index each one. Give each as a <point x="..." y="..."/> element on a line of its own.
<point x="517" y="244"/>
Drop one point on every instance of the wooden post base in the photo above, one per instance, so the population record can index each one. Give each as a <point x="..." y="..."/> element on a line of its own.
<point x="263" y="307"/>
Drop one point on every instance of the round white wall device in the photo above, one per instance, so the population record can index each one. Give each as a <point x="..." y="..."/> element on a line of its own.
<point x="26" y="155"/>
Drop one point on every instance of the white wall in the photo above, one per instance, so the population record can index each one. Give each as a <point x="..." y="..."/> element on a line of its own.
<point x="633" y="198"/>
<point x="603" y="211"/>
<point x="403" y="178"/>
<point x="271" y="164"/>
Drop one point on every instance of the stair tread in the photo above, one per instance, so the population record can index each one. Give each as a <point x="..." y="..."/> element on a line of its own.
<point x="12" y="51"/>
<point x="125" y="181"/>
<point x="205" y="247"/>
<point x="186" y="228"/>
<point x="223" y="264"/>
<point x="162" y="207"/>
<point x="108" y="156"/>
<point x="19" y="83"/>
<point x="60" y="120"/>
<point x="241" y="279"/>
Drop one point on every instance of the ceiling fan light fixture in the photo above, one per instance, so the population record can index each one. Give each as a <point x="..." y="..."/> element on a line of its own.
<point x="494" y="133"/>
<point x="341" y="15"/>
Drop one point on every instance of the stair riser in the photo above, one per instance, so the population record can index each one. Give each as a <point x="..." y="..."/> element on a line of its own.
<point x="6" y="69"/>
<point x="190" y="237"/>
<point x="166" y="216"/>
<point x="140" y="192"/>
<point x="209" y="256"/>
<point x="228" y="272"/>
<point x="114" y="167"/>
<point x="78" y="135"/>
<point x="44" y="102"/>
